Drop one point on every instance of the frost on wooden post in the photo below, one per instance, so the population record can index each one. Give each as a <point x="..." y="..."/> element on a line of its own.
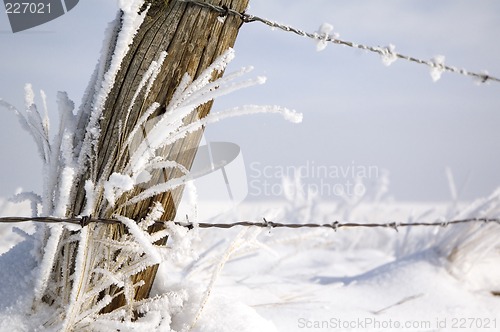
<point x="123" y="28"/>
<point x="77" y="299"/>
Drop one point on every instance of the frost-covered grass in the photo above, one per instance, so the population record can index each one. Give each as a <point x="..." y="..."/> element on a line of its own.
<point x="80" y="271"/>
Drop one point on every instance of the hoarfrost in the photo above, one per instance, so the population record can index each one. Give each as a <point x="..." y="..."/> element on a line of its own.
<point x="169" y="127"/>
<point x="142" y="238"/>
<point x="89" y="197"/>
<point x="45" y="266"/>
<point x="127" y="24"/>
<point x="388" y="55"/>
<point x="483" y="79"/>
<point x="324" y="35"/>
<point x="221" y="19"/>
<point x="437" y="67"/>
<point x="66" y="183"/>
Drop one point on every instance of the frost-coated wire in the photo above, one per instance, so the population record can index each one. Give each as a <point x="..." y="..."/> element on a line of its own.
<point x="84" y="221"/>
<point x="383" y="51"/>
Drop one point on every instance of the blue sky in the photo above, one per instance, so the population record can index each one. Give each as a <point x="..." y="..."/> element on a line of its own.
<point x="356" y="110"/>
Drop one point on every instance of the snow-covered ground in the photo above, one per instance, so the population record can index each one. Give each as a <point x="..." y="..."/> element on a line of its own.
<point x="249" y="279"/>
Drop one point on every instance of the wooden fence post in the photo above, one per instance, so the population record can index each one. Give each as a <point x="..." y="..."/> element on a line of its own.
<point x="193" y="37"/>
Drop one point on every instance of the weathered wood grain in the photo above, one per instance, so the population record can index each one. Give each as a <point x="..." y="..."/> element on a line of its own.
<point x="193" y="38"/>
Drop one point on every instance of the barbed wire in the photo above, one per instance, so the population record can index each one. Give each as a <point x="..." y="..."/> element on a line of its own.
<point x="335" y="225"/>
<point x="382" y="51"/>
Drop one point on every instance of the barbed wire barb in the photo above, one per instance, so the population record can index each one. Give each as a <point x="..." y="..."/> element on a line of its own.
<point x="382" y="51"/>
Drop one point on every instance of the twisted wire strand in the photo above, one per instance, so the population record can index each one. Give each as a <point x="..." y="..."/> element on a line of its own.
<point x="383" y="51"/>
<point x="86" y="220"/>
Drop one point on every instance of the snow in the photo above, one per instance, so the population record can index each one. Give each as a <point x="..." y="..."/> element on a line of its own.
<point x="298" y="280"/>
<point x="227" y="315"/>
<point x="319" y="275"/>
<point x="16" y="289"/>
